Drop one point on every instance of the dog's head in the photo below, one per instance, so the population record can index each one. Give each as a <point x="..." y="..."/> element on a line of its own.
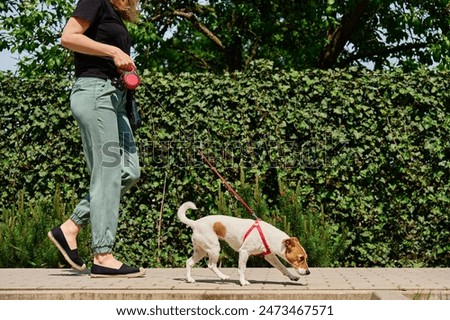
<point x="296" y="255"/>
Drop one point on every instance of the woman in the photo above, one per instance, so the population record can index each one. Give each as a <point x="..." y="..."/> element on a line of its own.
<point x="100" y="40"/>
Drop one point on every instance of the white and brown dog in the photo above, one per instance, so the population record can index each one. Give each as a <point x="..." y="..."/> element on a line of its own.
<point x="248" y="237"/>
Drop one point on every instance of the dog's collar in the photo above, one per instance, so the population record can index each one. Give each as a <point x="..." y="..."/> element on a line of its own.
<point x="261" y="234"/>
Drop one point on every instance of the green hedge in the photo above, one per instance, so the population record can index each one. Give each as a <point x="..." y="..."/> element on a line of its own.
<point x="370" y="150"/>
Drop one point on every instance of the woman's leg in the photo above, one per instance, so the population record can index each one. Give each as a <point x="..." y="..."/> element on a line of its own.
<point x="112" y="159"/>
<point x="130" y="173"/>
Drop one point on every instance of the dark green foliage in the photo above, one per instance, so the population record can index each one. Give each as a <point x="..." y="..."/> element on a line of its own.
<point x="23" y="233"/>
<point x="365" y="153"/>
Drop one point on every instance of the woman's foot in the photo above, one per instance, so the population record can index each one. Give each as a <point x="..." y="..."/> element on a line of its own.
<point x="71" y="230"/>
<point x="64" y="238"/>
<point x="105" y="265"/>
<point x="107" y="260"/>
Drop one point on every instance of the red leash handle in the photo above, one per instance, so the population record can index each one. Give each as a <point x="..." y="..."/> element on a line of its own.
<point x="131" y="79"/>
<point x="227" y="185"/>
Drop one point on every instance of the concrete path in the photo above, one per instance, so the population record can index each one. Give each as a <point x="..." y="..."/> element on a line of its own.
<point x="266" y="283"/>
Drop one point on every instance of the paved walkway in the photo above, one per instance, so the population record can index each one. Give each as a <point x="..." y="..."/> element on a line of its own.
<point x="266" y="283"/>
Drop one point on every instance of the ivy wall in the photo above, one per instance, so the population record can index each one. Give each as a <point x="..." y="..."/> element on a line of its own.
<point x="371" y="149"/>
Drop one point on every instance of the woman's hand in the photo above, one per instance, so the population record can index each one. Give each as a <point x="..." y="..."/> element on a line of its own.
<point x="123" y="61"/>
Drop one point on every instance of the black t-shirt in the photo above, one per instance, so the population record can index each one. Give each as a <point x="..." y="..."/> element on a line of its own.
<point x="107" y="27"/>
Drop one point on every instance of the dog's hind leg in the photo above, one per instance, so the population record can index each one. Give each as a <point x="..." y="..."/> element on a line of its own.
<point x="199" y="253"/>
<point x="213" y="254"/>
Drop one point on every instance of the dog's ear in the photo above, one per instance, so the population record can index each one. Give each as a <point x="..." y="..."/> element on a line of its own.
<point x="288" y="243"/>
<point x="295" y="239"/>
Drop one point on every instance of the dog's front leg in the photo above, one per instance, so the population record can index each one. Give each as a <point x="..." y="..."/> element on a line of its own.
<point x="243" y="257"/>
<point x="273" y="260"/>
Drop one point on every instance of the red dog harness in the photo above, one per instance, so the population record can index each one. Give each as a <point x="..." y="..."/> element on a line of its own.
<point x="261" y="234"/>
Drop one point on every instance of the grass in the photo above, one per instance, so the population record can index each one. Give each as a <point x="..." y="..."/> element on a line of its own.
<point x="23" y="233"/>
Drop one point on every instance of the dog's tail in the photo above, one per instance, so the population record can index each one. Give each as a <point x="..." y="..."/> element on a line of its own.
<point x="182" y="213"/>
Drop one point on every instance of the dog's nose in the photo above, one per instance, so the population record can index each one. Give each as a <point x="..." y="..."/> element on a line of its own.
<point x="307" y="272"/>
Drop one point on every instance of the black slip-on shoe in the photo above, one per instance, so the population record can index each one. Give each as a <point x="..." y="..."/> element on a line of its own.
<point x="57" y="237"/>
<point x="123" y="272"/>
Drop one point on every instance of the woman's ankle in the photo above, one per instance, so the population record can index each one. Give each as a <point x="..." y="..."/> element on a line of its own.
<point x="107" y="260"/>
<point x="70" y="228"/>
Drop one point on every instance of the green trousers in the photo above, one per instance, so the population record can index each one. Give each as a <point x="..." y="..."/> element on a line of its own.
<point x="111" y="157"/>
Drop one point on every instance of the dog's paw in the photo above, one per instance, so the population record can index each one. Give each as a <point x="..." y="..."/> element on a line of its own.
<point x="244" y="282"/>
<point x="190" y="280"/>
<point x="294" y="278"/>
<point x="224" y="277"/>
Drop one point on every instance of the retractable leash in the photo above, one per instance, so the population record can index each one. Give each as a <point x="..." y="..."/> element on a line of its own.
<point x="131" y="79"/>
<point x="227" y="185"/>
<point x="128" y="80"/>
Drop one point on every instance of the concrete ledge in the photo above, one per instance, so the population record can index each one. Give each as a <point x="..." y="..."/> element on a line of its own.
<point x="181" y="295"/>
<point x="388" y="295"/>
<point x="217" y="295"/>
<point x="428" y="295"/>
